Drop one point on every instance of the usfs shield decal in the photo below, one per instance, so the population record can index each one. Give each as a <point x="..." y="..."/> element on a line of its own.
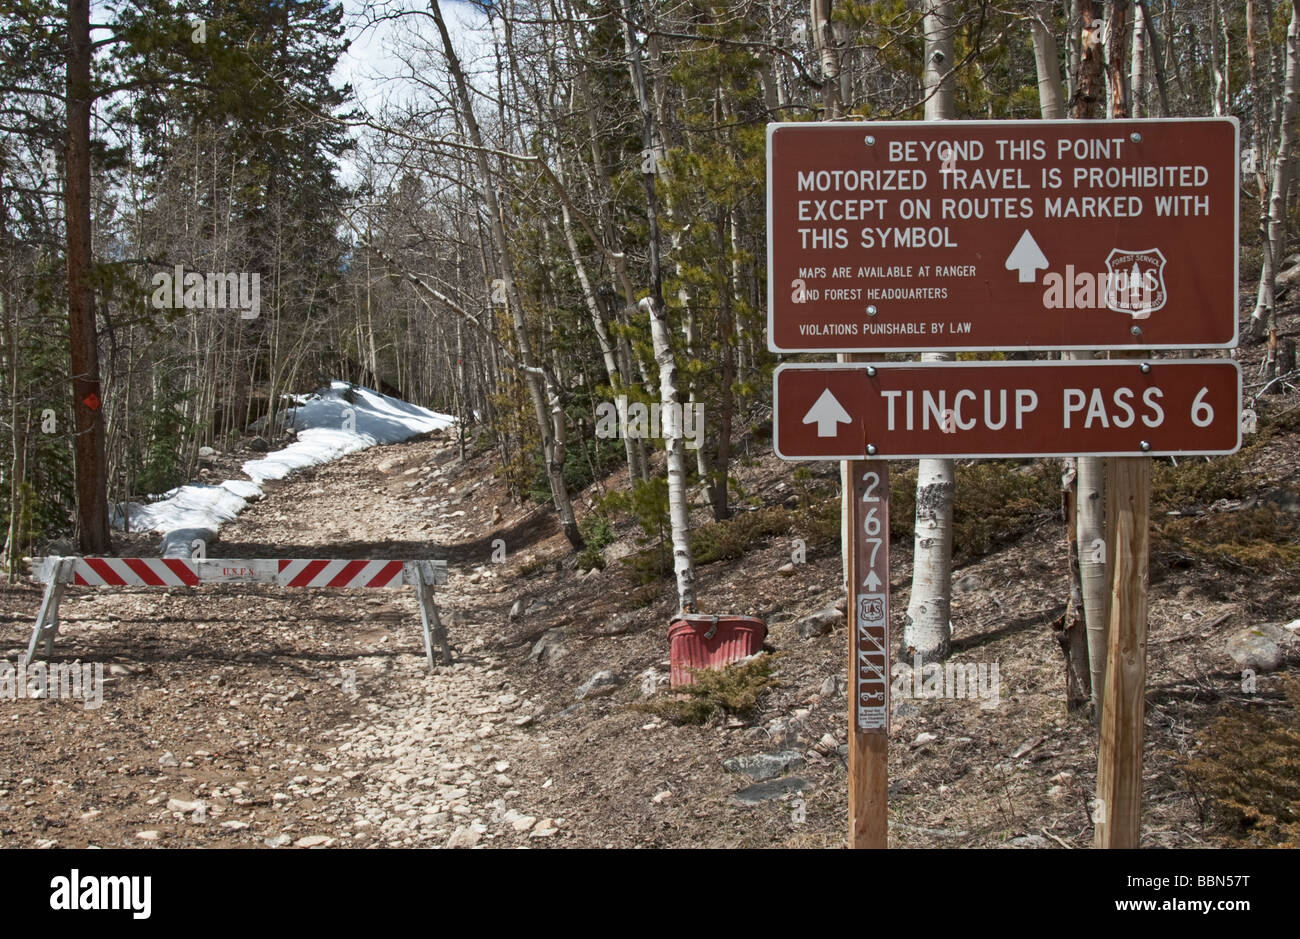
<point x="1135" y="282"/>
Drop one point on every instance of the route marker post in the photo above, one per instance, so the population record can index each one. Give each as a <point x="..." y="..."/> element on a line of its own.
<point x="866" y="498"/>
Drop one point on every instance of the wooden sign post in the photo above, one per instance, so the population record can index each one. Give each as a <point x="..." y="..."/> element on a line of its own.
<point x="1117" y="813"/>
<point x="866" y="495"/>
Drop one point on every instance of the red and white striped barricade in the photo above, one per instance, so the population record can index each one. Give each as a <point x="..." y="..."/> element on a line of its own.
<point x="58" y="573"/>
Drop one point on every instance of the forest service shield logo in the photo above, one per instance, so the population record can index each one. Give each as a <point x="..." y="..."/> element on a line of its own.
<point x="1135" y="282"/>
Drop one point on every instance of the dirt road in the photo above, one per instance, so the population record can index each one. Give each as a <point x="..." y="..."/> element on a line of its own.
<point x="248" y="715"/>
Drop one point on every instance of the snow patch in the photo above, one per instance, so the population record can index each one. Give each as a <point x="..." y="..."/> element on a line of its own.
<point x="342" y="420"/>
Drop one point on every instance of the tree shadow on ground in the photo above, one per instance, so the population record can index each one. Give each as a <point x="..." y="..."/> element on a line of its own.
<point x="533" y="528"/>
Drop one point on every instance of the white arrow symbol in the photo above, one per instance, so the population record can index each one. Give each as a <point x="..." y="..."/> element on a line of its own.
<point x="1026" y="257"/>
<point x="872" y="580"/>
<point x="827" y="413"/>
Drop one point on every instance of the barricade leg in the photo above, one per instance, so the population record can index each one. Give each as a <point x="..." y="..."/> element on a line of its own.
<point x="434" y="631"/>
<point x="47" y="619"/>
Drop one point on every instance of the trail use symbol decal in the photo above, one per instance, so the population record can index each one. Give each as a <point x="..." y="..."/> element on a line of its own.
<point x="1136" y="282"/>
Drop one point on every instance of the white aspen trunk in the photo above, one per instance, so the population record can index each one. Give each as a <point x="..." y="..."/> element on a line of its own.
<point x="1218" y="64"/>
<point x="1152" y="36"/>
<point x="1070" y="632"/>
<point x="653" y="305"/>
<point x="1137" y="66"/>
<point x="767" y="80"/>
<point x="938" y="25"/>
<point x="1051" y="96"/>
<point x="737" y="278"/>
<point x="1227" y="58"/>
<point x="927" y="630"/>
<point x="652" y="146"/>
<point x="780" y="67"/>
<point x="462" y="405"/>
<point x="1051" y="103"/>
<point x="1263" y="317"/>
<point x="819" y="24"/>
<point x="1072" y="49"/>
<point x="1089" y="515"/>
<point x="819" y="14"/>
<point x="589" y="296"/>
<point x="659" y="144"/>
<point x="638" y="461"/>
<point x="679" y="510"/>
<point x="371" y="352"/>
<point x="18" y="470"/>
<point x="1090" y="529"/>
<point x="1258" y="144"/>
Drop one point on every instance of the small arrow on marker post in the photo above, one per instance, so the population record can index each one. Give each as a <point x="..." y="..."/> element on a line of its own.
<point x="1026" y="258"/>
<point x="827" y="414"/>
<point x="873" y="581"/>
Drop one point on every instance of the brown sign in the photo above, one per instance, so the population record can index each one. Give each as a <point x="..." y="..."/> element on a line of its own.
<point x="980" y="410"/>
<point x="974" y="235"/>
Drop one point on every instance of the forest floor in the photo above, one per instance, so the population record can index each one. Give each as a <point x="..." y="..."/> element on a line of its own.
<point x="250" y="716"/>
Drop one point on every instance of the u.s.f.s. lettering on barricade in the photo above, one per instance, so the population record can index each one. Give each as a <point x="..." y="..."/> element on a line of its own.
<point x="59" y="573"/>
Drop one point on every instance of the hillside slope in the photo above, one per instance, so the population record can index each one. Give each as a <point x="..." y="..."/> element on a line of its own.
<point x="293" y="714"/>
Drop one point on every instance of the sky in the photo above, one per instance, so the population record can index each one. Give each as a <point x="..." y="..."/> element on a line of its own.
<point x="370" y="62"/>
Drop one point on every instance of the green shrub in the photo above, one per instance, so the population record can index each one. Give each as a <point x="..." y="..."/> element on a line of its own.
<point x="650" y="565"/>
<point x="1249" y="765"/>
<point x="994" y="502"/>
<point x="1198" y="482"/>
<point x="1261" y="539"/>
<point x="734" y="689"/>
<point x="648" y="503"/>
<point x="157" y="455"/>
<point x="726" y="540"/>
<point x="596" y="533"/>
<point x="811" y="489"/>
<point x="585" y="460"/>
<point x="998" y="501"/>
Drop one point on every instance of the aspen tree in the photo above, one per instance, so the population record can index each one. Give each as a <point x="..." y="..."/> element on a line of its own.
<point x="927" y="630"/>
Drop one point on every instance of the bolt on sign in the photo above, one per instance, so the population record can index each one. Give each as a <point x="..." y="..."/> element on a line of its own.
<point x="986" y="410"/>
<point x="992" y="235"/>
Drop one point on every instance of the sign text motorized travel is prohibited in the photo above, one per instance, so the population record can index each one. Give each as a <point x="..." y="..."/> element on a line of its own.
<point x="974" y="235"/>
